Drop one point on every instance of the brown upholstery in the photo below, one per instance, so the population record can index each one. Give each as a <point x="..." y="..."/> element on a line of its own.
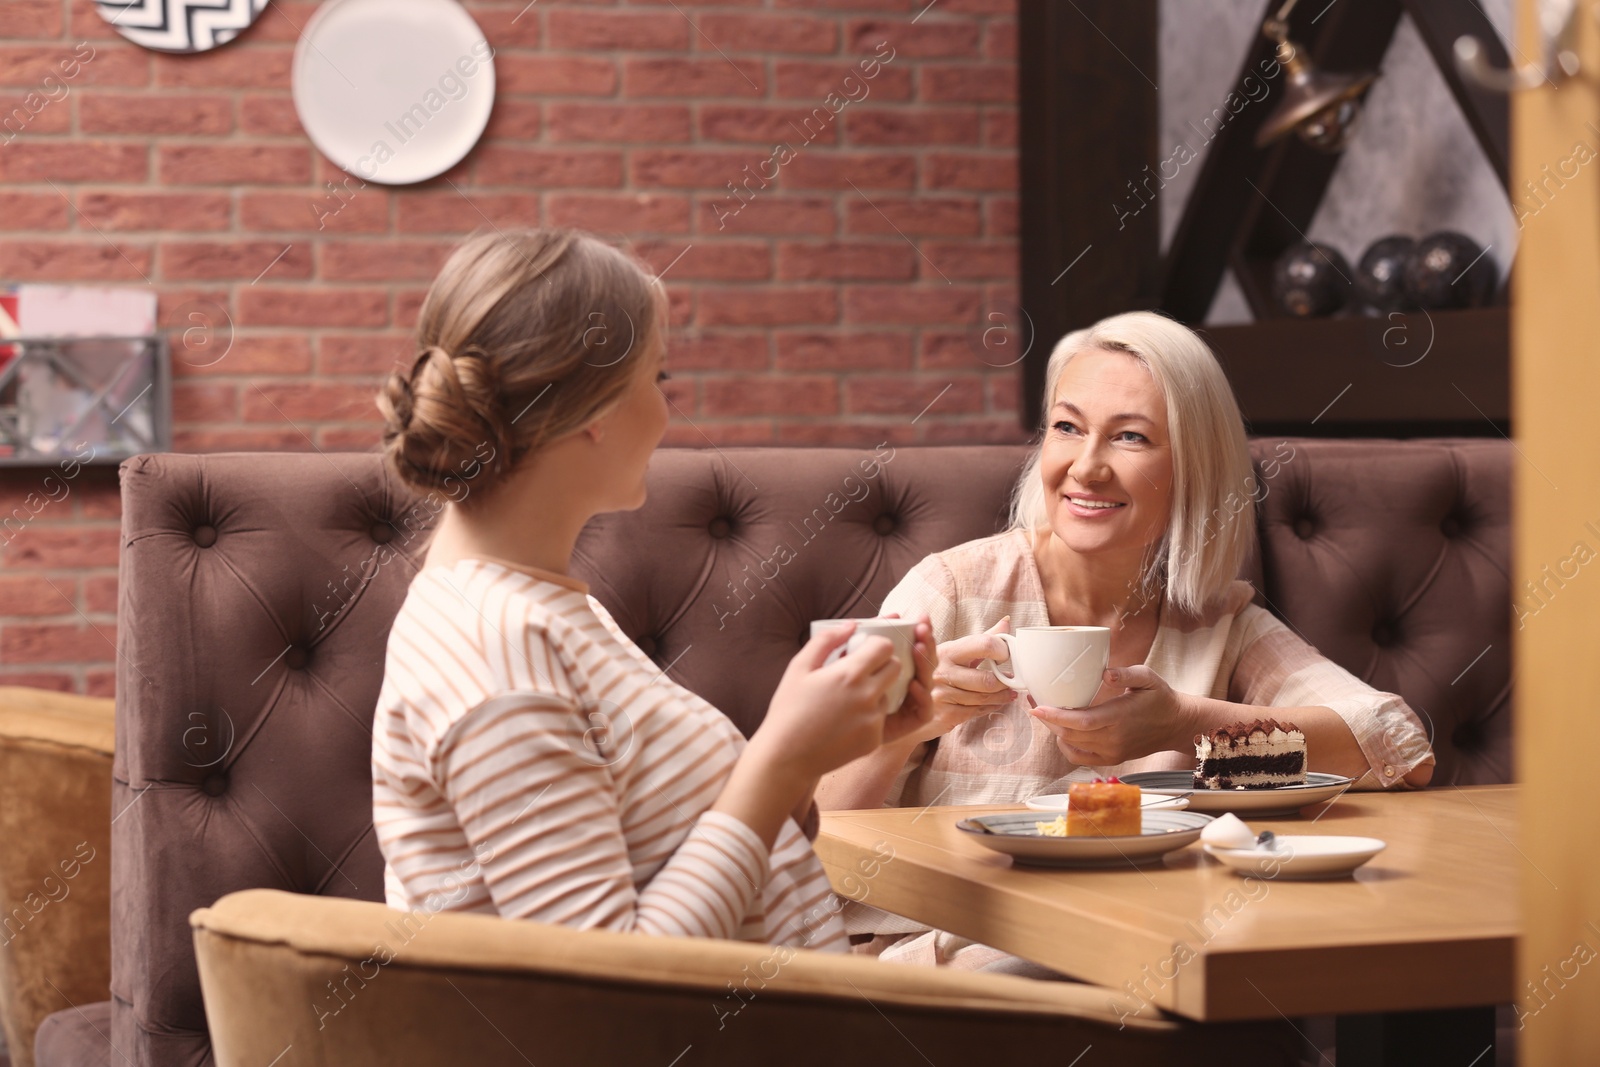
<point x="358" y="985"/>
<point x="244" y="617"/>
<point x="55" y="858"/>
<point x="76" y="1036"/>
<point x="1394" y="559"/>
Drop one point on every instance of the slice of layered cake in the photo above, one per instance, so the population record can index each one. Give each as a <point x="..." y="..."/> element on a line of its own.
<point x="1251" y="755"/>
<point x="1101" y="809"/>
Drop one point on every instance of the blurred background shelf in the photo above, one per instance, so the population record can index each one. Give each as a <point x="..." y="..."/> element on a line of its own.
<point x="85" y="400"/>
<point x="1433" y="373"/>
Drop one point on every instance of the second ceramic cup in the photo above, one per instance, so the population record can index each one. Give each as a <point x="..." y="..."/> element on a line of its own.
<point x="1059" y="666"/>
<point x="900" y="631"/>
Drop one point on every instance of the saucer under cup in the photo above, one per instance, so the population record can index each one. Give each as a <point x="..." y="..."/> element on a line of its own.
<point x="1300" y="857"/>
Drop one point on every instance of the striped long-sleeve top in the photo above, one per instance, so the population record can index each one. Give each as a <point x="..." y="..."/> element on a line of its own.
<point x="528" y="760"/>
<point x="1237" y="652"/>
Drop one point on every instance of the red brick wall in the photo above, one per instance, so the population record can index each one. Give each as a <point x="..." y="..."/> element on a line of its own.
<point x="834" y="307"/>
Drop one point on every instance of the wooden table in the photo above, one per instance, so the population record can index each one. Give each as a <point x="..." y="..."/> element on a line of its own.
<point x="1430" y="923"/>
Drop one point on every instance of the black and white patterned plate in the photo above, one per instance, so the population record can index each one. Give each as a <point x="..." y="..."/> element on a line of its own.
<point x="180" y="25"/>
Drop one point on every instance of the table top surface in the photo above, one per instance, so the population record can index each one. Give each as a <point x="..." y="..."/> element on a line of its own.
<point x="1430" y="922"/>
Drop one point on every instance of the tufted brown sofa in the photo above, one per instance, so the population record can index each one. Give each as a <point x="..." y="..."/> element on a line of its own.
<point x="257" y="591"/>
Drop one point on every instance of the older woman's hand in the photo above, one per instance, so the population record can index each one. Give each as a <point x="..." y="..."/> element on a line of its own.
<point x="961" y="689"/>
<point x="1147" y="717"/>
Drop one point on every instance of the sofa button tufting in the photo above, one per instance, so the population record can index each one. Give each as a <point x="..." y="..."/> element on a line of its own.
<point x="647" y="645"/>
<point x="205" y="536"/>
<point x="1467" y="736"/>
<point x="382" y="532"/>
<point x="296" y="658"/>
<point x="215" y="784"/>
<point x="884" y="525"/>
<point x="1384" y="634"/>
<point x="1304" y="527"/>
<point x="721" y="528"/>
<point x="1451" y="526"/>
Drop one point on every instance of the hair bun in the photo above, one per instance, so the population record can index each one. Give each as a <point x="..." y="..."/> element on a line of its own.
<point x="396" y="402"/>
<point x="503" y="324"/>
<point x="441" y="414"/>
<point x="470" y="380"/>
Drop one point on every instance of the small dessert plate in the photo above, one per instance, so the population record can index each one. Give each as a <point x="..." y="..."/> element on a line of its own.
<point x="1277" y="800"/>
<point x="1017" y="835"/>
<point x="1300" y="856"/>
<point x="1057" y="802"/>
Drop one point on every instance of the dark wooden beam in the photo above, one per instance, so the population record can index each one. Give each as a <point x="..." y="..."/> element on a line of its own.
<point x="1087" y="120"/>
<point x="1351" y="36"/>
<point x="1440" y="23"/>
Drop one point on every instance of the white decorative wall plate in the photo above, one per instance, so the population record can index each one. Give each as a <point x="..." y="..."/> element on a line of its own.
<point x="393" y="91"/>
<point x="180" y="25"/>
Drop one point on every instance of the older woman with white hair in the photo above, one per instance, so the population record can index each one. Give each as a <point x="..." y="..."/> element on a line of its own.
<point x="1136" y="513"/>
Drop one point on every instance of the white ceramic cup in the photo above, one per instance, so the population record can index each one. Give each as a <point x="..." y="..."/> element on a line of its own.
<point x="1060" y="666"/>
<point x="900" y="631"/>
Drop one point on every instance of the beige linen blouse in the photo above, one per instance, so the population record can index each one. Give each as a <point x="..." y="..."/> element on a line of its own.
<point x="1236" y="651"/>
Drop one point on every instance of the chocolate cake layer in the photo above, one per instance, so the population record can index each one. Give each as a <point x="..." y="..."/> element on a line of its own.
<point x="1287" y="763"/>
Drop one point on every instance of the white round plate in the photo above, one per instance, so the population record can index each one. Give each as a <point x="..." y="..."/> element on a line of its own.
<point x="1278" y="800"/>
<point x="1300" y="856"/>
<point x="1017" y="835"/>
<point x="393" y="91"/>
<point x="1057" y="802"/>
<point x="180" y="25"/>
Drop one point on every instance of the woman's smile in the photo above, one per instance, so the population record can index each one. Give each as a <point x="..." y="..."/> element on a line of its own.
<point x="1093" y="506"/>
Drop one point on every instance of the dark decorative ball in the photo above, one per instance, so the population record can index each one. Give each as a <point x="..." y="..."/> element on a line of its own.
<point x="1381" y="275"/>
<point x="1311" y="280"/>
<point x="1450" y="270"/>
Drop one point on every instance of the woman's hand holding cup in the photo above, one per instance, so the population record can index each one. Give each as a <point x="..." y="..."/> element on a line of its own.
<point x="917" y="710"/>
<point x="1148" y="716"/>
<point x="830" y="709"/>
<point x="958" y="689"/>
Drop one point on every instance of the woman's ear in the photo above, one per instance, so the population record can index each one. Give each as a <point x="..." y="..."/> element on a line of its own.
<point x="595" y="429"/>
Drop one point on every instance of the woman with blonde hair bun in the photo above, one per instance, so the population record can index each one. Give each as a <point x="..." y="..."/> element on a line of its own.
<point x="1136" y="512"/>
<point x="528" y="759"/>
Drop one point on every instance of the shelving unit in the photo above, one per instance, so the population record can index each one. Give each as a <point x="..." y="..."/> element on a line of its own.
<point x="1088" y="127"/>
<point x="1422" y="373"/>
<point x="114" y="393"/>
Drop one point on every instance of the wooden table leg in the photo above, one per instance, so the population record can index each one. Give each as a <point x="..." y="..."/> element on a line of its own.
<point x="1463" y="1036"/>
